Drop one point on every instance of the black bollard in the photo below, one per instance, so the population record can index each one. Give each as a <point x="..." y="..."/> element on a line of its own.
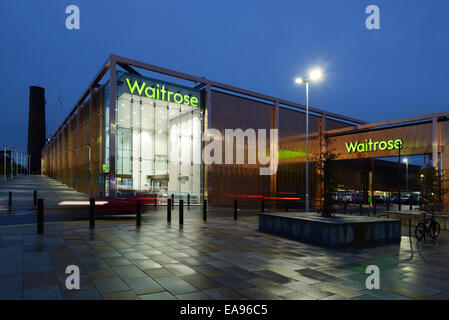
<point x="92" y="213"/>
<point x="40" y="216"/>
<point x="138" y="212"/>
<point x="345" y="207"/>
<point x="374" y="208"/>
<point x="10" y="199"/>
<point x="168" y="210"/>
<point x="388" y="205"/>
<point x="173" y="200"/>
<point x="155" y="200"/>
<point x="204" y="210"/>
<point x="235" y="209"/>
<point x="188" y="200"/>
<point x="360" y="208"/>
<point x="35" y="198"/>
<point x="181" y="212"/>
<point x="411" y="203"/>
<point x="262" y="206"/>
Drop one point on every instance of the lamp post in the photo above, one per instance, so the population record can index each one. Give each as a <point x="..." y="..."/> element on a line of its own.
<point x="4" y="165"/>
<point x="406" y="173"/>
<point x="314" y="75"/>
<point x="11" y="155"/>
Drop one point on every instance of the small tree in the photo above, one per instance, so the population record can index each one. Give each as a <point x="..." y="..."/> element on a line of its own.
<point x="432" y="190"/>
<point x="324" y="165"/>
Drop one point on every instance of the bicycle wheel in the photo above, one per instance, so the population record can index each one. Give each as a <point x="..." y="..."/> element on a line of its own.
<point x="420" y="231"/>
<point x="434" y="230"/>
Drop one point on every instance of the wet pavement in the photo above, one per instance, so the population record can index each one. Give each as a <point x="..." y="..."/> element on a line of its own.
<point x="217" y="259"/>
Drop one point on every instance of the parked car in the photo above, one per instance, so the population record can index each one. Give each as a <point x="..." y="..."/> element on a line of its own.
<point x="379" y="199"/>
<point x="394" y="199"/>
<point x="358" y="197"/>
<point x="405" y="198"/>
<point x="346" y="197"/>
<point x="334" y="196"/>
<point x="414" y="198"/>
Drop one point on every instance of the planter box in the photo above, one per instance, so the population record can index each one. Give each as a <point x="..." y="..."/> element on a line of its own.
<point x="340" y="231"/>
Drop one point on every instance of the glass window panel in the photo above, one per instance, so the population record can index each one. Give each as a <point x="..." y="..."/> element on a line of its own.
<point x="173" y="172"/>
<point x="186" y="149"/>
<point x="124" y="108"/>
<point x="147" y="118"/>
<point x="160" y="120"/>
<point x="196" y="159"/>
<point x="147" y="146"/>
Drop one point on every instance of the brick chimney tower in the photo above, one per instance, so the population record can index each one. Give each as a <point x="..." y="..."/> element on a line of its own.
<point x="36" y="127"/>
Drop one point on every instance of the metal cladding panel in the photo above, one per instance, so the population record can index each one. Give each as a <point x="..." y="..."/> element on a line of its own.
<point x="291" y="175"/>
<point x="417" y="139"/>
<point x="75" y="155"/>
<point x="243" y="182"/>
<point x="444" y="136"/>
<point x="230" y="181"/>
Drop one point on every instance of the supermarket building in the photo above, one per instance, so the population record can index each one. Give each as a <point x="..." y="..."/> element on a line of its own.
<point x="139" y="128"/>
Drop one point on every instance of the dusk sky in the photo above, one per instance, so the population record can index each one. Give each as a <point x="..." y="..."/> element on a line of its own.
<point x="398" y="71"/>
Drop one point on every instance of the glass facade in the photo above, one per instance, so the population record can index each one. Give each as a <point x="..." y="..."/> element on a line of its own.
<point x="158" y="141"/>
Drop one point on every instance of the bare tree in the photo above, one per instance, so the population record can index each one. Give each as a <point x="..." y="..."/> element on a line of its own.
<point x="324" y="165"/>
<point x="432" y="190"/>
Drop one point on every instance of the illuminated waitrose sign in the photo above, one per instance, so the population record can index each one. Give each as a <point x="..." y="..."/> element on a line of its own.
<point x="154" y="89"/>
<point x="370" y="145"/>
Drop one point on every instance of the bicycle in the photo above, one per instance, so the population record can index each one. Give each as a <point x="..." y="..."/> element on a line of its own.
<point x="428" y="226"/>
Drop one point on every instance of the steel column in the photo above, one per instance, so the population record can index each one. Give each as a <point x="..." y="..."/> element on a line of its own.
<point x="435" y="142"/>
<point x="112" y="124"/>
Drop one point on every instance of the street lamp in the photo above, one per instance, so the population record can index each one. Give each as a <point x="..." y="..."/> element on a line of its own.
<point x="406" y="172"/>
<point x="314" y="75"/>
<point x="4" y="165"/>
<point x="11" y="155"/>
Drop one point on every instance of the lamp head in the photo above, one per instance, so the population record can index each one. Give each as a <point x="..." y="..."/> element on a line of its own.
<point x="315" y="74"/>
<point x="299" y="80"/>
